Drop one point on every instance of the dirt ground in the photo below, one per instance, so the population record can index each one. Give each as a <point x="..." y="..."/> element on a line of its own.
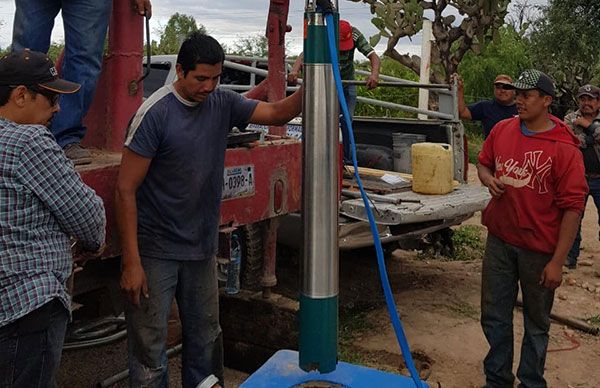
<point x="439" y="306"/>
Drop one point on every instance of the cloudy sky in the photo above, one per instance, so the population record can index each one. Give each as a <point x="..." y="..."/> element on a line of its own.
<point x="228" y="20"/>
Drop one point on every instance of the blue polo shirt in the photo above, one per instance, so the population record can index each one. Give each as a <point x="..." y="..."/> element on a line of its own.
<point x="489" y="112"/>
<point x="179" y="200"/>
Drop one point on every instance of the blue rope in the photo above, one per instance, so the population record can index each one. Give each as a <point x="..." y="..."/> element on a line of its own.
<point x="385" y="283"/>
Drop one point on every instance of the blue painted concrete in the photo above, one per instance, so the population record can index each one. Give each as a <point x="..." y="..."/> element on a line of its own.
<point x="282" y="371"/>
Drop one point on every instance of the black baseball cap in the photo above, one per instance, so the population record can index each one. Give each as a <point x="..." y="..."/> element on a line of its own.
<point x="28" y="67"/>
<point x="533" y="79"/>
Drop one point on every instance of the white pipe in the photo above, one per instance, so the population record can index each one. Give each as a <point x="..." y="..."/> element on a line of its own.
<point x="425" y="66"/>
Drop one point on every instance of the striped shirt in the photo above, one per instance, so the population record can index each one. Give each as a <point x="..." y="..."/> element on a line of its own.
<point x="43" y="202"/>
<point x="347" y="57"/>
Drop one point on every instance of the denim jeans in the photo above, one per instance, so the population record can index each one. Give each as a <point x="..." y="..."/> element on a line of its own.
<point x="350" y="95"/>
<point x="85" y="25"/>
<point x="594" y="184"/>
<point x="31" y="346"/>
<point x="194" y="285"/>
<point x="505" y="267"/>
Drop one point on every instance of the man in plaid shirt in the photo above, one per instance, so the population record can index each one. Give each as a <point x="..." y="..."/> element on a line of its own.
<point x="43" y="203"/>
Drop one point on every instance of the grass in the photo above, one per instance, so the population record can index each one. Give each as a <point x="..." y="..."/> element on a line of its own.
<point x="468" y="246"/>
<point x="353" y="323"/>
<point x="594" y="321"/>
<point x="465" y="310"/>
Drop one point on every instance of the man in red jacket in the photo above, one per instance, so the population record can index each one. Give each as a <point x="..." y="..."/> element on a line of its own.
<point x="534" y="171"/>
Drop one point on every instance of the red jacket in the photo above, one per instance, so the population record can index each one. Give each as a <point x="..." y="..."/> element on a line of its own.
<point x="543" y="176"/>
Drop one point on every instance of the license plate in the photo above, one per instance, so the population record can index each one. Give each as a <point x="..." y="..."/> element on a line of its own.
<point x="238" y="182"/>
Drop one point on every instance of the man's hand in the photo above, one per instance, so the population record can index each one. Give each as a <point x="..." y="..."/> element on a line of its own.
<point x="582" y="122"/>
<point x="143" y="7"/>
<point x="372" y="81"/>
<point x="292" y="77"/>
<point x="552" y="275"/>
<point x="495" y="186"/>
<point x="458" y="79"/>
<point x="133" y="283"/>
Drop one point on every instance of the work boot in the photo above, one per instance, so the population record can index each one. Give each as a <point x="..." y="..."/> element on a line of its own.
<point x="77" y="154"/>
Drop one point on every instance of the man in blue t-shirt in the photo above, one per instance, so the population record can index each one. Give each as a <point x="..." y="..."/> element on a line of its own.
<point x="168" y="199"/>
<point x="489" y="112"/>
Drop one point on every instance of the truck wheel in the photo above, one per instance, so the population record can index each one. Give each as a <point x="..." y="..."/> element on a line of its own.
<point x="252" y="259"/>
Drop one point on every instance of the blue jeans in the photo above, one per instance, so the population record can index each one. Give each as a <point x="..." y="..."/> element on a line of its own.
<point x="504" y="268"/>
<point x="85" y="25"/>
<point x="350" y="95"/>
<point x="594" y="184"/>
<point x="31" y="346"/>
<point x="194" y="285"/>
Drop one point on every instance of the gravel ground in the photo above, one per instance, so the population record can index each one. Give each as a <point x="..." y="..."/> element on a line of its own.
<point x="85" y="368"/>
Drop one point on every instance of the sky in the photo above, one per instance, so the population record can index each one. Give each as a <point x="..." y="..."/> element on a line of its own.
<point x="229" y="20"/>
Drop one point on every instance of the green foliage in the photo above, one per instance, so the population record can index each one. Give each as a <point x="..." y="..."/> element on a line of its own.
<point x="353" y="322"/>
<point x="476" y="26"/>
<point x="475" y="141"/>
<point x="509" y="54"/>
<point x="174" y="33"/>
<point x="53" y="52"/>
<point x="251" y="46"/>
<point x="594" y="321"/>
<point x="405" y="96"/>
<point x="468" y="246"/>
<point x="565" y="43"/>
<point x="464" y="309"/>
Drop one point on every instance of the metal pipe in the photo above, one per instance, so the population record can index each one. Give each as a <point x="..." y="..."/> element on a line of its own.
<point x="319" y="289"/>
<point x="407" y="108"/>
<point x="112" y="380"/>
<point x="399" y="84"/>
<point x="390" y="78"/>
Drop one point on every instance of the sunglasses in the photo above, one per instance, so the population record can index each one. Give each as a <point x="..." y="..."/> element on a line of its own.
<point x="500" y="85"/>
<point x="50" y="96"/>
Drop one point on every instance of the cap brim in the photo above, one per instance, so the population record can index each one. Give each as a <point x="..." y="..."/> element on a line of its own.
<point x="592" y="95"/>
<point x="519" y="86"/>
<point x="346" y="45"/>
<point x="61" y="86"/>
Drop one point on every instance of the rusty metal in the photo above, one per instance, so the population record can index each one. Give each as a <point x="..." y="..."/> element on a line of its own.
<point x="269" y="279"/>
<point x="113" y="105"/>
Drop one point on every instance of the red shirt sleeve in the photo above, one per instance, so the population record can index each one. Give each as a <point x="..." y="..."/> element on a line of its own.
<point x="571" y="186"/>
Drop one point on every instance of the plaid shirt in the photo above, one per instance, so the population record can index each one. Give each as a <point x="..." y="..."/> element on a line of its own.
<point x="43" y="202"/>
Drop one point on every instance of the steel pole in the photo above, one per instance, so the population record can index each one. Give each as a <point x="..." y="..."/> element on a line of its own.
<point x="319" y="293"/>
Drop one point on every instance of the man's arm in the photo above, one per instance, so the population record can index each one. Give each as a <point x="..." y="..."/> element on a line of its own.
<point x="280" y="112"/>
<point x="552" y="273"/>
<point x="131" y="174"/>
<point x="143" y="7"/>
<point x="46" y="171"/>
<point x="463" y="110"/>
<point x="487" y="178"/>
<point x="373" y="79"/>
<point x="293" y="74"/>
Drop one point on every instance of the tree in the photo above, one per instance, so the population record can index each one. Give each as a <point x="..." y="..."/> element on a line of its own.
<point x="396" y="19"/>
<point x="177" y="29"/>
<point x="565" y="44"/>
<point x="251" y="46"/>
<point x="404" y="96"/>
<point x="507" y="55"/>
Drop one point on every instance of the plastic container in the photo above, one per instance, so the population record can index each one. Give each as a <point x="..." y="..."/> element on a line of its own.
<point x="402" y="150"/>
<point x="232" y="286"/>
<point x="432" y="168"/>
